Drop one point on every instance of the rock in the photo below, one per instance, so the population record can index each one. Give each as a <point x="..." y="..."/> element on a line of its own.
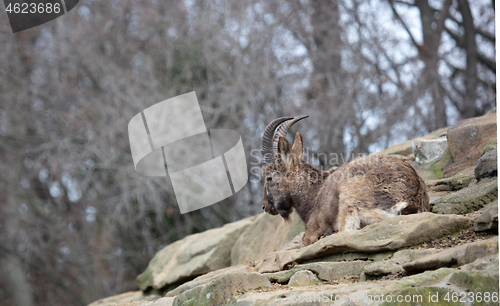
<point x="369" y="257"/>
<point x="486" y="165"/>
<point x="467" y="139"/>
<point x="431" y="287"/>
<point x="326" y="271"/>
<point x="265" y="235"/>
<point x="488" y="219"/>
<point x="427" y="151"/>
<point x="390" y="234"/>
<point x="128" y="297"/>
<point x="482" y="282"/>
<point x="459" y="255"/>
<point x="487" y="263"/>
<point x="220" y="290"/>
<point x="477" y="277"/>
<point x="206" y="278"/>
<point x="432" y="170"/>
<point x="450" y="184"/>
<point x="165" y="301"/>
<point x="394" y="265"/>
<point x="303" y="278"/>
<point x="490" y="145"/>
<point x="405" y="148"/>
<point x="192" y="256"/>
<point x="468" y="199"/>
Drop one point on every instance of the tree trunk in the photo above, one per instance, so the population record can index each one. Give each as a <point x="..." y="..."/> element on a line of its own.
<point x="469" y="109"/>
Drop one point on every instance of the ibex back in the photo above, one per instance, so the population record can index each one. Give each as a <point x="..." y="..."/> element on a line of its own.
<point x="361" y="192"/>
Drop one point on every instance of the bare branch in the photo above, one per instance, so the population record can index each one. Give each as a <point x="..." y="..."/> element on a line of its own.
<point x="418" y="46"/>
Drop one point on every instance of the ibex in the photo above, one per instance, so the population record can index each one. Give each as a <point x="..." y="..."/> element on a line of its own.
<point x="361" y="192"/>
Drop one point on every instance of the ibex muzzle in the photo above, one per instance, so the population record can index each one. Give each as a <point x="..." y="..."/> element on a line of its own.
<point x="361" y="192"/>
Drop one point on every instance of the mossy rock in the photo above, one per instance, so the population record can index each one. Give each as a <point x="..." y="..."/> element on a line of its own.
<point x="222" y="290"/>
<point x="435" y="170"/>
<point x="475" y="282"/>
<point x="468" y="199"/>
<point x="265" y="235"/>
<point x="422" y="296"/>
<point x="490" y="145"/>
<point x="326" y="271"/>
<point x="450" y="184"/>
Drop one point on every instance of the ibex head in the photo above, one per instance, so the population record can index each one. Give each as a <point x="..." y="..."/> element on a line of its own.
<point x="282" y="170"/>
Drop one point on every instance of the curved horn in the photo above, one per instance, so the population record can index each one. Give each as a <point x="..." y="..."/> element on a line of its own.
<point x="283" y="130"/>
<point x="267" y="139"/>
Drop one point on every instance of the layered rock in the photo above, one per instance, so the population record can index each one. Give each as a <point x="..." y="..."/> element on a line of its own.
<point x="265" y="235"/>
<point x="459" y="255"/>
<point x="388" y="235"/>
<point x="325" y="271"/>
<point x="192" y="256"/>
<point x="488" y="218"/>
<point x="487" y="165"/>
<point x="468" y="199"/>
<point x="467" y="139"/>
<point x="429" y="288"/>
<point x="222" y="289"/>
<point x="261" y="260"/>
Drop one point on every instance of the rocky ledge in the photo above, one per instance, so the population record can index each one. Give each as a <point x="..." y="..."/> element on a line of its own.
<point x="446" y="256"/>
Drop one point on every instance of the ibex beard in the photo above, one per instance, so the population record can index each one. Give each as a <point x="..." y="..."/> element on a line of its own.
<point x="364" y="191"/>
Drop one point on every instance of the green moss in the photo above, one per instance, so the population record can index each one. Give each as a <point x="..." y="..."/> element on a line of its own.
<point x="422" y="296"/>
<point x="490" y="145"/>
<point x="476" y="282"/>
<point x="468" y="199"/>
<point x="439" y="165"/>
<point x="434" y="170"/>
<point x="438" y="172"/>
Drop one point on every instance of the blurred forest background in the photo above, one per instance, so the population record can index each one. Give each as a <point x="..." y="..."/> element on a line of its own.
<point x="77" y="223"/>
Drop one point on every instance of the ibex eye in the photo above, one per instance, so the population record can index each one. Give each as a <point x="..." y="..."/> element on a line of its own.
<point x="269" y="178"/>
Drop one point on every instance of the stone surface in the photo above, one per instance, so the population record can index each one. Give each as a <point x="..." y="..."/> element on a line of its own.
<point x="488" y="218"/>
<point x="206" y="278"/>
<point x="390" y="234"/>
<point x="432" y="170"/>
<point x="467" y="139"/>
<point x="368" y="257"/>
<point x="394" y="265"/>
<point x="222" y="289"/>
<point x="303" y="278"/>
<point x="468" y="199"/>
<point x="131" y="298"/>
<point x="487" y="165"/>
<point x="450" y="184"/>
<point x="479" y="276"/>
<point x="459" y="255"/>
<point x="487" y="264"/>
<point x="192" y="256"/>
<point x="405" y="148"/>
<point x="164" y="301"/>
<point x="326" y="271"/>
<point x="490" y="145"/>
<point x="265" y="235"/>
<point x="427" y="151"/>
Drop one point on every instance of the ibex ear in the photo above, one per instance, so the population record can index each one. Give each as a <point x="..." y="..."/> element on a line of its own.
<point x="298" y="145"/>
<point x="284" y="150"/>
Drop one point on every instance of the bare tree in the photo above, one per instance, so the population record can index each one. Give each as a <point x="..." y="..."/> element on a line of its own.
<point x="463" y="84"/>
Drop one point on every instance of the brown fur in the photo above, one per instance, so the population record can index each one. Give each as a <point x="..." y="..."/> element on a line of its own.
<point x="361" y="192"/>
